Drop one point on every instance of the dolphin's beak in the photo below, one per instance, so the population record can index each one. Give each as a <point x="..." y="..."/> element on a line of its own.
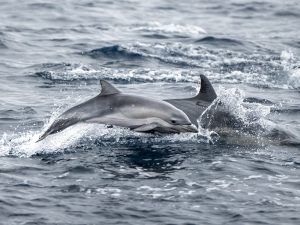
<point x="191" y="128"/>
<point x="188" y="128"/>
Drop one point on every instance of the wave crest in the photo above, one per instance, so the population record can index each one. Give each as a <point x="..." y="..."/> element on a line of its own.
<point x="167" y="29"/>
<point x="184" y="63"/>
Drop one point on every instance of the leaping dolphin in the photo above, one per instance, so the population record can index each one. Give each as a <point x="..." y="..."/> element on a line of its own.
<point x="138" y="113"/>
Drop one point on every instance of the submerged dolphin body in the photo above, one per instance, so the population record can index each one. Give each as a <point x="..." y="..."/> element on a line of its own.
<point x="112" y="107"/>
<point x="201" y="108"/>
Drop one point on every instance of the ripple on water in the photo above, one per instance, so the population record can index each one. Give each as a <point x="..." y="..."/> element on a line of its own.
<point x="2" y="45"/>
<point x="115" y="52"/>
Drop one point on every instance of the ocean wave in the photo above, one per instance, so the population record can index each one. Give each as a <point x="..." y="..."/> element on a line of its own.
<point x="290" y="13"/>
<point x="17" y="113"/>
<point x="219" y="41"/>
<point x="167" y="29"/>
<point x="258" y="100"/>
<point x="47" y="6"/>
<point x="114" y="51"/>
<point x="214" y="42"/>
<point x="160" y="53"/>
<point x="155" y="36"/>
<point x="80" y="72"/>
<point x="2" y="45"/>
<point x="182" y="63"/>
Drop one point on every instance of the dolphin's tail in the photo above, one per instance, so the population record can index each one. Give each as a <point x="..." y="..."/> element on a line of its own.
<point x="57" y="126"/>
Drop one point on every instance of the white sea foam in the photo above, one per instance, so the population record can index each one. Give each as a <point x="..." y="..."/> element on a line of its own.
<point x="79" y="72"/>
<point x="219" y="65"/>
<point x="287" y="58"/>
<point x="186" y="29"/>
<point x="232" y="100"/>
<point x="294" y="78"/>
<point x="288" y="61"/>
<point x="23" y="144"/>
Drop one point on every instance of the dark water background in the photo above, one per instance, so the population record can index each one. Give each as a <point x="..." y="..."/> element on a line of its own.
<point x="53" y="54"/>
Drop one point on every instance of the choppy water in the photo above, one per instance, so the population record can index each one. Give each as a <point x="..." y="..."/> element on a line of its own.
<point x="52" y="57"/>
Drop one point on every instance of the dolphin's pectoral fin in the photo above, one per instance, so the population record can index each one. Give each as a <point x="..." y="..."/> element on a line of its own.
<point x="145" y="127"/>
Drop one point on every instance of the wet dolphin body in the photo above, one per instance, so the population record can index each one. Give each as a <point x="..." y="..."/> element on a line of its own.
<point x="200" y="108"/>
<point x="112" y="107"/>
<point x="195" y="106"/>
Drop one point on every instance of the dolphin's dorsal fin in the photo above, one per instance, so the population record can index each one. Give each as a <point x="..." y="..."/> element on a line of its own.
<point x="207" y="92"/>
<point x="107" y="88"/>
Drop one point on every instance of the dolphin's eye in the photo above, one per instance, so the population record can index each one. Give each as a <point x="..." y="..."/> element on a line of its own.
<point x="173" y="121"/>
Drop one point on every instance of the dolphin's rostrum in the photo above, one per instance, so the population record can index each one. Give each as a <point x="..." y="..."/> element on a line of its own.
<point x="113" y="107"/>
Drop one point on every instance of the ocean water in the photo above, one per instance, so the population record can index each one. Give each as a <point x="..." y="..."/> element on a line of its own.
<point x="53" y="54"/>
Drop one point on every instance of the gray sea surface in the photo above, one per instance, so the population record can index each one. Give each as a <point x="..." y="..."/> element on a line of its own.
<point x="53" y="54"/>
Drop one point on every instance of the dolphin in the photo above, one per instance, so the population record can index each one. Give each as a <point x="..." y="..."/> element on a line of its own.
<point x="196" y="106"/>
<point x="112" y="107"/>
<point x="204" y="110"/>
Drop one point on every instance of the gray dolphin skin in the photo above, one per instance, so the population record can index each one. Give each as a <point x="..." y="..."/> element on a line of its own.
<point x="201" y="110"/>
<point x="138" y="113"/>
<point x="194" y="107"/>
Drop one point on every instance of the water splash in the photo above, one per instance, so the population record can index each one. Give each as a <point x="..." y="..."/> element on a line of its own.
<point x="233" y="101"/>
<point x="23" y="144"/>
<point x="289" y="62"/>
<point x="230" y="116"/>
